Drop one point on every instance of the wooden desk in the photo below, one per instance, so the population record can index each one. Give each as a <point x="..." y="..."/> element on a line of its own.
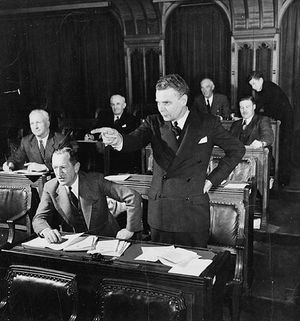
<point x="203" y="295"/>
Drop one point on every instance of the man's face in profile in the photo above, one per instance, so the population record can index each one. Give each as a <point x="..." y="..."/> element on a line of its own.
<point x="256" y="84"/>
<point x="170" y="103"/>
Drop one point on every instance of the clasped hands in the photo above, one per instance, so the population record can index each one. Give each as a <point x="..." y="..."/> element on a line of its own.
<point x="109" y="136"/>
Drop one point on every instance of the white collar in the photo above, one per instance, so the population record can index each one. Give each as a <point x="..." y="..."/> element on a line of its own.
<point x="248" y="120"/>
<point x="75" y="187"/>
<point x="182" y="120"/>
<point x="44" y="140"/>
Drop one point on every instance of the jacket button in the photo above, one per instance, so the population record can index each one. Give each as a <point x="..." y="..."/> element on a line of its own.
<point x="164" y="177"/>
<point x="187" y="198"/>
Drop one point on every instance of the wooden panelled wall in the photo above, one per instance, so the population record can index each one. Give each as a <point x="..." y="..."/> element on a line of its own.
<point x="254" y="27"/>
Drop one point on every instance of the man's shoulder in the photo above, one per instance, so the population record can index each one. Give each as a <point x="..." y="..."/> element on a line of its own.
<point x="51" y="185"/>
<point x="220" y="96"/>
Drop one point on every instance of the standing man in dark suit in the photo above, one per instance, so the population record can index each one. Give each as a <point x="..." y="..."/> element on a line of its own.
<point x="271" y="101"/>
<point x="182" y="143"/>
<point x="35" y="151"/>
<point x="253" y="130"/>
<point x="76" y="201"/>
<point x="124" y="123"/>
<point x="210" y="102"/>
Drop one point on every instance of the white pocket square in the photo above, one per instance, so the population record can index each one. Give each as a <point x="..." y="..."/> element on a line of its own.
<point x="124" y="126"/>
<point x="203" y="140"/>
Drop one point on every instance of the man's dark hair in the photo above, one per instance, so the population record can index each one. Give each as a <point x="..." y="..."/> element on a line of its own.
<point x="251" y="98"/>
<point x="173" y="81"/>
<point x="255" y="75"/>
<point x="68" y="150"/>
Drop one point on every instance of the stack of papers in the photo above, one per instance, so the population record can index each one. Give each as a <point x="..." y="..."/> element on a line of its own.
<point x="119" y="177"/>
<point x="181" y="260"/>
<point x="70" y="242"/>
<point x="110" y="247"/>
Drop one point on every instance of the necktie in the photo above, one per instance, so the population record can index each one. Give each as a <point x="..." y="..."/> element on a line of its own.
<point x="42" y="149"/>
<point x="78" y="219"/>
<point x="244" y="125"/>
<point x="117" y="119"/>
<point x="208" y="106"/>
<point x="176" y="129"/>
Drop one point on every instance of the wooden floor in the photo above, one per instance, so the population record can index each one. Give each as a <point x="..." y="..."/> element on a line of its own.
<point x="276" y="264"/>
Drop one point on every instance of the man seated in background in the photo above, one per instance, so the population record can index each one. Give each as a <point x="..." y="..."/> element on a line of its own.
<point x="123" y="122"/>
<point x="210" y="102"/>
<point x="36" y="149"/>
<point x="76" y="201"/>
<point x="253" y="130"/>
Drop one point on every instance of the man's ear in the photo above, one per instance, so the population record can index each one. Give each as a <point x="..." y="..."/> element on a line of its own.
<point x="184" y="99"/>
<point x="77" y="167"/>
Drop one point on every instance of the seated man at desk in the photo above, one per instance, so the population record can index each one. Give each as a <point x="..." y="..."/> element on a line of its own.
<point x="36" y="149"/>
<point x="124" y="122"/>
<point x="76" y="201"/>
<point x="210" y="102"/>
<point x="252" y="129"/>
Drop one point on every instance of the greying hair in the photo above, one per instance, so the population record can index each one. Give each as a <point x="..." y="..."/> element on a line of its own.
<point x="67" y="150"/>
<point x="43" y="112"/>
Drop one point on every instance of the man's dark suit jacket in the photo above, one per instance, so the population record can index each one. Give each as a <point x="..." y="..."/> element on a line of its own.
<point x="176" y="199"/>
<point x="220" y="105"/>
<point x="121" y="162"/>
<point x="55" y="210"/>
<point x="126" y="124"/>
<point x="29" y="151"/>
<point x="258" y="129"/>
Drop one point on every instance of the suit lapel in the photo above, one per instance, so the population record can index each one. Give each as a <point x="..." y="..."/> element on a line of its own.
<point x="63" y="204"/>
<point x="85" y="202"/>
<point x="34" y="147"/>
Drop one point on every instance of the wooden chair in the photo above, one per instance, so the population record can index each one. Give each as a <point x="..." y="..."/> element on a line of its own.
<point x="231" y="228"/>
<point x="15" y="213"/>
<point x="123" y="300"/>
<point x="38" y="294"/>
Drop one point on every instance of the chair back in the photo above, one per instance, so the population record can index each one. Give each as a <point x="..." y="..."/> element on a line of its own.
<point x="14" y="200"/>
<point x="15" y="207"/>
<point x="123" y="300"/>
<point x="39" y="294"/>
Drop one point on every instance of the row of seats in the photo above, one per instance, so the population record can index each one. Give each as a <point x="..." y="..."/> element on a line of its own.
<point x="40" y="294"/>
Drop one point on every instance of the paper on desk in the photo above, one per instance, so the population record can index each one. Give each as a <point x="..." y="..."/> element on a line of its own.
<point x="88" y="243"/>
<point x="42" y="243"/>
<point x="176" y="256"/>
<point x="194" y="267"/>
<point x="120" y="177"/>
<point x="152" y="253"/>
<point x="236" y="185"/>
<point x="110" y="247"/>
<point x="26" y="172"/>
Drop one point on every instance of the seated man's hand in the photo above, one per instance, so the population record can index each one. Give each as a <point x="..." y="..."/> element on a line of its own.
<point x="207" y="186"/>
<point x="256" y="144"/>
<point x="52" y="236"/>
<point x="89" y="137"/>
<point x="110" y="137"/>
<point x="124" y="234"/>
<point x="36" y="167"/>
<point x="8" y="166"/>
